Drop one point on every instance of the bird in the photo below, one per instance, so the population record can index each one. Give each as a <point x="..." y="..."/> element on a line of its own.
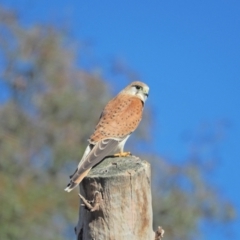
<point x="119" y="119"/>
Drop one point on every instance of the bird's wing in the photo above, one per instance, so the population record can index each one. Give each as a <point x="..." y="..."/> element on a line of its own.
<point x="98" y="152"/>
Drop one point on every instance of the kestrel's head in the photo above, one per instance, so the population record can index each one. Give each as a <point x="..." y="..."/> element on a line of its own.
<point x="138" y="89"/>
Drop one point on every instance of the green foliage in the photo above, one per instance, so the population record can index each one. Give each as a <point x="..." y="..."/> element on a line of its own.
<point x="52" y="108"/>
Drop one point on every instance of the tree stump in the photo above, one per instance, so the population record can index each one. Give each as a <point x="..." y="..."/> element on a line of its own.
<point x="122" y="202"/>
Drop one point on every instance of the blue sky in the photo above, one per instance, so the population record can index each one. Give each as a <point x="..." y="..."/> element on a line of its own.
<point x="187" y="51"/>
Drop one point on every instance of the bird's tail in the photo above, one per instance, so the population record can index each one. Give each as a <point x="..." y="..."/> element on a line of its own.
<point x="76" y="179"/>
<point x="70" y="186"/>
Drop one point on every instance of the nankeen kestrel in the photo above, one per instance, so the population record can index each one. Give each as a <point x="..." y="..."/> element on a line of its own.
<point x="118" y="120"/>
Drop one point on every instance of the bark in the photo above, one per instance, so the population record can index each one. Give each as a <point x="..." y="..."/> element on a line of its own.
<point x="121" y="201"/>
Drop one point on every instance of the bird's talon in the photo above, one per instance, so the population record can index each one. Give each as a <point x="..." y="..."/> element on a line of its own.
<point x="122" y="154"/>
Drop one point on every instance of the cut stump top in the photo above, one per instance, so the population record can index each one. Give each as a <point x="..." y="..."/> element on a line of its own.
<point x="118" y="166"/>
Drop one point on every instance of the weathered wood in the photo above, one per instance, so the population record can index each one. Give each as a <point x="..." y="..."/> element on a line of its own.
<point x="122" y="208"/>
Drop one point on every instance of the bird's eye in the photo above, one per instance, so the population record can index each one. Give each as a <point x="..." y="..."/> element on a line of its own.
<point x="137" y="87"/>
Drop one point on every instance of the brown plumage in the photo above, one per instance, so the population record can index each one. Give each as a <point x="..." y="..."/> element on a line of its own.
<point x="121" y="121"/>
<point x="118" y="120"/>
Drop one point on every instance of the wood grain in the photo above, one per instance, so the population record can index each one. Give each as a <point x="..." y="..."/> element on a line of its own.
<point x="125" y="211"/>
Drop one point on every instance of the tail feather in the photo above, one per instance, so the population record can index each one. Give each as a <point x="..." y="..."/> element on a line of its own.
<point x="92" y="156"/>
<point x="73" y="174"/>
<point x="70" y="186"/>
<point x="76" y="179"/>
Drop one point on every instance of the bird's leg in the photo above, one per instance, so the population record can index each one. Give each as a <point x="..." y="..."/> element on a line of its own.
<point x="122" y="154"/>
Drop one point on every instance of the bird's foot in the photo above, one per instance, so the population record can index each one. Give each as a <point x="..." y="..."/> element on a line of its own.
<point x="122" y="154"/>
<point x="93" y="205"/>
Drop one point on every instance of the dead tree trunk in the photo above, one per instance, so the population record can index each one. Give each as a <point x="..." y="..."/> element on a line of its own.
<point x="121" y="207"/>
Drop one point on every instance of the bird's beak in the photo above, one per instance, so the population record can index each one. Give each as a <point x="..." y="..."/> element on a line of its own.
<point x="146" y="91"/>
